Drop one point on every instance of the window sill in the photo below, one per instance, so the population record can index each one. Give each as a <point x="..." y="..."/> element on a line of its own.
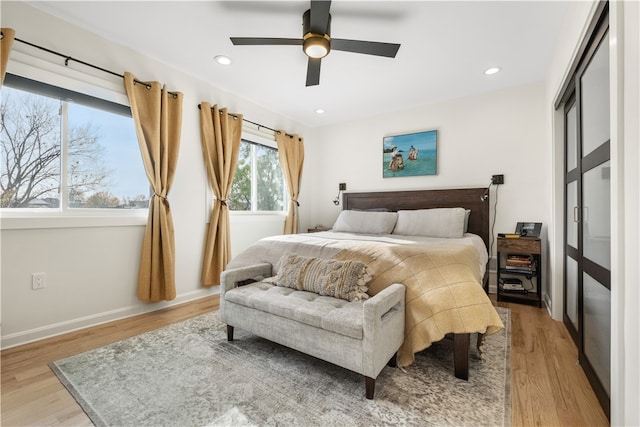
<point x="257" y="213"/>
<point x="25" y="222"/>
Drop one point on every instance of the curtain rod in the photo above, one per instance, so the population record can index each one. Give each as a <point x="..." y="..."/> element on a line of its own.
<point x="68" y="58"/>
<point x="257" y="124"/>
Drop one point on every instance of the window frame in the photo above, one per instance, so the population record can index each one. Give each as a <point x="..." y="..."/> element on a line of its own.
<point x="254" y="135"/>
<point x="103" y="88"/>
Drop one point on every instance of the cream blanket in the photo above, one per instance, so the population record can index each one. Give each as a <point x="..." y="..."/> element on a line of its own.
<point x="443" y="281"/>
<point x="443" y="291"/>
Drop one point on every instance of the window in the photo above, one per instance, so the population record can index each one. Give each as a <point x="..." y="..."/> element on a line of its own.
<point x="64" y="151"/>
<point x="258" y="184"/>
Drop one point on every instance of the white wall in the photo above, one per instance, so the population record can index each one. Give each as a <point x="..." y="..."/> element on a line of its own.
<point x="92" y="271"/>
<point x="625" y="158"/>
<point x="496" y="133"/>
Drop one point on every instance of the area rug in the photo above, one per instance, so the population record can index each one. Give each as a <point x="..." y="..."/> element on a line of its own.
<point x="188" y="374"/>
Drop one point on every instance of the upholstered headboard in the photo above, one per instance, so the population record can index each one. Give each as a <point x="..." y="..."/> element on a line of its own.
<point x="468" y="198"/>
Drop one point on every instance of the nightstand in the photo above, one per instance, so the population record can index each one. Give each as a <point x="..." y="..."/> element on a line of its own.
<point x="520" y="270"/>
<point x="317" y="228"/>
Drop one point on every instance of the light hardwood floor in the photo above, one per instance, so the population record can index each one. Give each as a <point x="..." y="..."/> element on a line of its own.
<point x="547" y="387"/>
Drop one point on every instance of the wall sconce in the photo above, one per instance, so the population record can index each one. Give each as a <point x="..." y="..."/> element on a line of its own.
<point x="495" y="180"/>
<point x="486" y="193"/>
<point x="341" y="187"/>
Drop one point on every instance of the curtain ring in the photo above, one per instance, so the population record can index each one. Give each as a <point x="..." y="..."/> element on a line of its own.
<point x="135" y="82"/>
<point x="66" y="61"/>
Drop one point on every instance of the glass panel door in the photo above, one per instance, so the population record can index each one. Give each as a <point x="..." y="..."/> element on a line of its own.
<point x="596" y="223"/>
<point x="595" y="100"/>
<point x="587" y="279"/>
<point x="572" y="220"/>
<point x="597" y="328"/>
<point x="571" y="298"/>
<point x="573" y="214"/>
<point x="571" y="125"/>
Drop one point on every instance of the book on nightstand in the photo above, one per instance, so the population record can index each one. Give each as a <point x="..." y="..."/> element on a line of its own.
<point x="509" y="235"/>
<point x="513" y="285"/>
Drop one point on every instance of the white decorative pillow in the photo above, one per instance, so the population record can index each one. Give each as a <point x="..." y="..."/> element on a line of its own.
<point x="438" y="222"/>
<point x="366" y="222"/>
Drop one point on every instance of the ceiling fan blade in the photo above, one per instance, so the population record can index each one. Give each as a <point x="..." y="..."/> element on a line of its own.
<point x="240" y="41"/>
<point x="368" y="48"/>
<point x="320" y="16"/>
<point x="313" y="72"/>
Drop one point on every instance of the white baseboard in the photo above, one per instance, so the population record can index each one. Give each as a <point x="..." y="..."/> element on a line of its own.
<point x="548" y="303"/>
<point x="48" y="331"/>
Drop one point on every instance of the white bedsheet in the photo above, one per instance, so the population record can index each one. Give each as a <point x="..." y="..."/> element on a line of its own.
<point x="325" y="244"/>
<point x="398" y="239"/>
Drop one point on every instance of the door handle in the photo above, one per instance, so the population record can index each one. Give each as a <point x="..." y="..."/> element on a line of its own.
<point x="575" y="214"/>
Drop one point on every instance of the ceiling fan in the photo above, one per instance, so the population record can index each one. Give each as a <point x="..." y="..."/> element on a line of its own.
<point x="316" y="40"/>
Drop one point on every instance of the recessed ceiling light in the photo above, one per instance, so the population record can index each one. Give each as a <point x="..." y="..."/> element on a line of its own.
<point x="222" y="60"/>
<point x="319" y="111"/>
<point x="492" y="70"/>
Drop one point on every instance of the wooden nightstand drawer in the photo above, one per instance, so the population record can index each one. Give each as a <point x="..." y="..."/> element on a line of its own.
<point x="524" y="245"/>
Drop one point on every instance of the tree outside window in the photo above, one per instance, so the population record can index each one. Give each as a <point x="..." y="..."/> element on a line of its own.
<point x="44" y="139"/>
<point x="258" y="184"/>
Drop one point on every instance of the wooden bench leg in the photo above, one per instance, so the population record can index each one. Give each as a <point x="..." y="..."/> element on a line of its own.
<point x="461" y="355"/>
<point x="229" y="333"/>
<point x="370" y="387"/>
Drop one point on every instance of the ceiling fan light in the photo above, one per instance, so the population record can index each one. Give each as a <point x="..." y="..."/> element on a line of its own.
<point x="315" y="46"/>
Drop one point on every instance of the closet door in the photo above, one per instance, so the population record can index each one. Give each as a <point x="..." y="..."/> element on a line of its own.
<point x="572" y="220"/>
<point x="595" y="271"/>
<point x="587" y="281"/>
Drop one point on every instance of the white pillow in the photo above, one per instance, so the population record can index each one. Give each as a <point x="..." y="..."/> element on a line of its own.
<point x="438" y="222"/>
<point x="366" y="222"/>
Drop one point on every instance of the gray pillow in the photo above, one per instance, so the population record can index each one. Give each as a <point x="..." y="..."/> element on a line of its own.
<point x="438" y="222"/>
<point x="366" y="222"/>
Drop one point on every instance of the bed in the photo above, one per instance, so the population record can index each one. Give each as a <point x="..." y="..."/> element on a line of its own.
<point x="444" y="271"/>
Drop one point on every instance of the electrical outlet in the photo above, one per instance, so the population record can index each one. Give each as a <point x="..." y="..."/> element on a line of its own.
<point x="342" y="186"/>
<point x="38" y="281"/>
<point x="497" y="179"/>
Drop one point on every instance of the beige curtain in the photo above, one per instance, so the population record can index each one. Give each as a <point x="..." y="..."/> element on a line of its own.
<point x="8" y="34"/>
<point x="221" y="136"/>
<point x="158" y="120"/>
<point x="291" y="153"/>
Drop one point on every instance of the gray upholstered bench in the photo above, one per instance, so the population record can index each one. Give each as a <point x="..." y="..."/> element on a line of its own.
<point x="362" y="336"/>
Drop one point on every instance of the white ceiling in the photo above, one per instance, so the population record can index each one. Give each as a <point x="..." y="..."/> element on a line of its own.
<point x="446" y="46"/>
